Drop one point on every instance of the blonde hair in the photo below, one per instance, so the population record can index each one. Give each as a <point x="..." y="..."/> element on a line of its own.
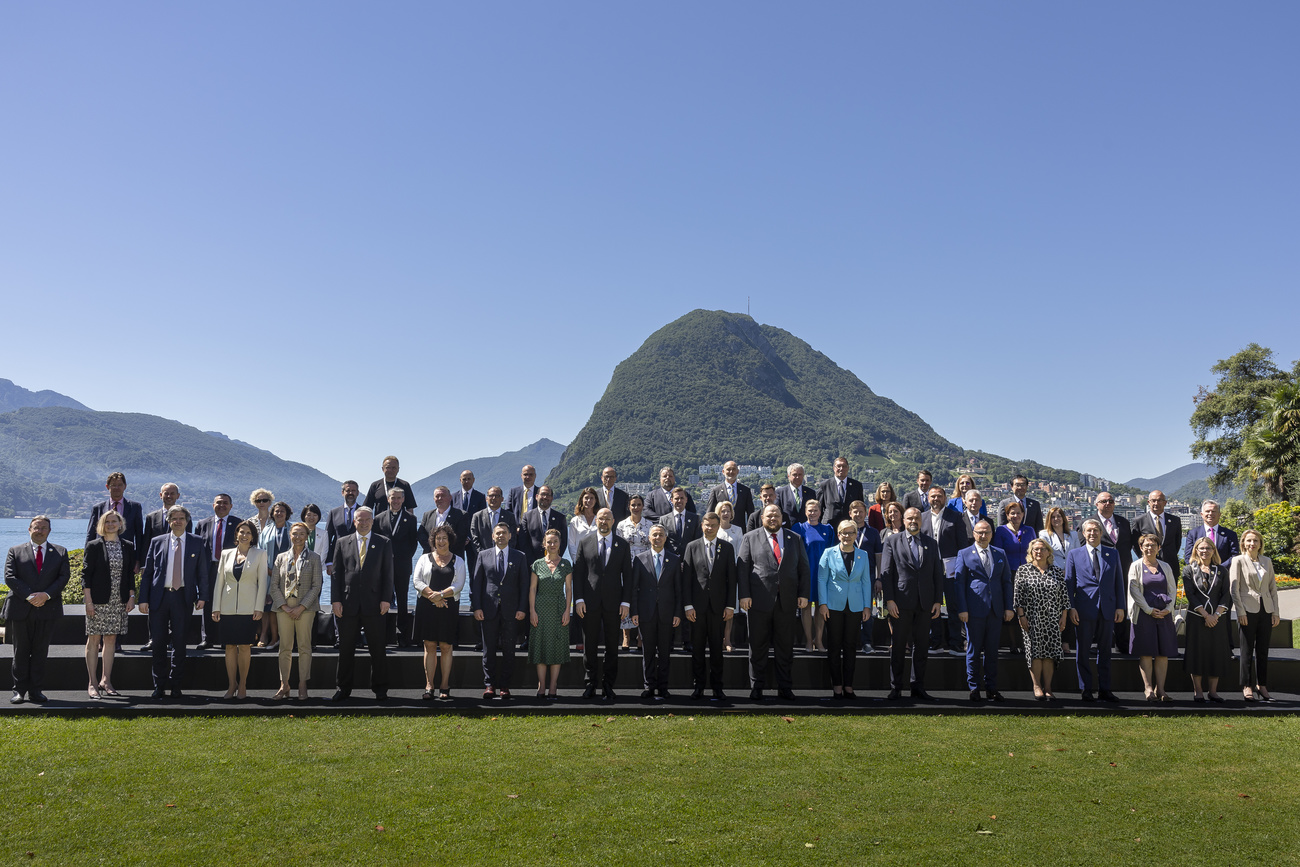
<point x="1051" y="555"/>
<point x="252" y="498"/>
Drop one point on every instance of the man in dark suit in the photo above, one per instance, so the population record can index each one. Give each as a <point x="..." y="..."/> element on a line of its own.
<point x="1095" y="587"/>
<point x="523" y="497"/>
<point x="486" y="520"/>
<point x="132" y="516"/>
<point x="35" y="573"/>
<point x="612" y="497"/>
<point x="837" y="492"/>
<point x="981" y="599"/>
<point x="175" y="570"/>
<point x="532" y="530"/>
<point x="1019" y="494"/>
<point x="682" y="525"/>
<point x="498" y="596"/>
<point x="1115" y="533"/>
<point x="218" y="534"/>
<point x="919" y="498"/>
<point x="156" y="524"/>
<point x="1165" y="527"/>
<point x="602" y="586"/>
<point x="911" y="577"/>
<point x="659" y="502"/>
<point x="341" y="521"/>
<point x="946" y="526"/>
<point x="774" y="582"/>
<point x="708" y="593"/>
<point x="794" y="497"/>
<point x="443" y="512"/>
<point x="656" y="609"/>
<point x="468" y="500"/>
<point x="377" y="496"/>
<point x="732" y="491"/>
<point x="360" y="589"/>
<point x="400" y="528"/>
<point x="1224" y="539"/>
<point x="766" y="497"/>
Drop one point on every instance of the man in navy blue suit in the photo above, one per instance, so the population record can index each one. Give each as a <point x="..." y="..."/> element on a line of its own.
<point x="132" y="515"/>
<point x="1094" y="583"/>
<point x="982" y="591"/>
<point x="523" y="497"/>
<point x="657" y="611"/>
<point x="174" y="570"/>
<point x="218" y="534"/>
<point x="1224" y="539"/>
<point x="468" y="500"/>
<point x="498" y="596"/>
<point x="793" y="497"/>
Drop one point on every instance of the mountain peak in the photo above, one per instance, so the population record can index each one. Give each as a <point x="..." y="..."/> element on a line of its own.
<point x="14" y="397"/>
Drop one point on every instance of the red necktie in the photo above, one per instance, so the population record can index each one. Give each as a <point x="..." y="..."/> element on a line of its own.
<point x="776" y="550"/>
<point x="40" y="558"/>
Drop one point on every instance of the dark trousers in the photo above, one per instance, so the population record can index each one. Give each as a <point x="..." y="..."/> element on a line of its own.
<point x="208" y="629"/>
<point x="656" y="648"/>
<point x="842" y="637"/>
<point x="502" y="627"/>
<point x="350" y="626"/>
<point x="776" y="628"/>
<point x="1100" y="632"/>
<point x="402" y="590"/>
<point x="167" y="621"/>
<point x="912" y="626"/>
<point x="591" y="635"/>
<point x="706" y="634"/>
<point x="31" y="641"/>
<point x="983" y="634"/>
<point x="1255" y="636"/>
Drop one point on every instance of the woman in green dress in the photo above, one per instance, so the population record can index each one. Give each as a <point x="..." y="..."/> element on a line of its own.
<point x="550" y="596"/>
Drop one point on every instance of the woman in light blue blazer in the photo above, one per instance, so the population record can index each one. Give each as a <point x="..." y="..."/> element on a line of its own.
<point x="844" y="576"/>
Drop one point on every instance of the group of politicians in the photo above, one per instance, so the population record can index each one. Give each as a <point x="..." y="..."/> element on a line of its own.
<point x="640" y="573"/>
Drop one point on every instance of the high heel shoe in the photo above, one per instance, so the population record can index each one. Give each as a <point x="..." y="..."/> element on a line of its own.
<point x="92" y="691"/>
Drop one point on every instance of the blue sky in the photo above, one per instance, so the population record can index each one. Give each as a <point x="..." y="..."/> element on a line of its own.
<point x="434" y="229"/>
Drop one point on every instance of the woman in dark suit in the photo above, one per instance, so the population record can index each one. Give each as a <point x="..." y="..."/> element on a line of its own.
<point x="295" y="598"/>
<point x="844" y="588"/>
<point x="1208" y="655"/>
<point x="237" y="594"/>
<point x="108" y="583"/>
<point x="1254" y="594"/>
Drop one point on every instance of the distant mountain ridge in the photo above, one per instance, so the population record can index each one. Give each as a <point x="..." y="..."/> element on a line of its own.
<point x="1174" y="479"/>
<point x="500" y="470"/>
<point x="14" y="397"/>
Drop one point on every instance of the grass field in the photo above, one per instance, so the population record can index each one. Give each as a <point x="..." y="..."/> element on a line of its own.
<point x="662" y="790"/>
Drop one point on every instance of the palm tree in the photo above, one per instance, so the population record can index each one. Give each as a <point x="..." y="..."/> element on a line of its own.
<point x="1272" y="445"/>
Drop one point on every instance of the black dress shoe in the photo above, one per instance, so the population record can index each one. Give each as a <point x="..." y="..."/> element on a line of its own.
<point x="340" y="696"/>
<point x="850" y="695"/>
<point x="204" y="645"/>
<point x="895" y="694"/>
<point x="157" y="694"/>
<point x="697" y="693"/>
<point x="974" y="695"/>
<point x="785" y="693"/>
<point x="16" y="698"/>
<point x="1087" y="696"/>
<point x="647" y="694"/>
<point x="608" y="694"/>
<point x="1199" y="699"/>
<point x="719" y="695"/>
<point x="921" y="694"/>
<point x="996" y="696"/>
<point x="756" y="694"/>
<point x="589" y="692"/>
<point x="381" y="696"/>
<point x="35" y="696"/>
<point x="1107" y="695"/>
<point x="148" y="646"/>
<point x="663" y="693"/>
<point x="837" y="696"/>
<point x="176" y="693"/>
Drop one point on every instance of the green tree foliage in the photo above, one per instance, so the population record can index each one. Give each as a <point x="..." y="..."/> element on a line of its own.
<point x="1279" y="525"/>
<point x="1272" y="444"/>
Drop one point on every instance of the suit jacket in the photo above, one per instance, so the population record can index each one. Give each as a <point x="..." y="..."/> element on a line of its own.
<point x="1225" y="540"/>
<point x="709" y="589"/>
<point x="155" y="525"/>
<point x="246" y="595"/>
<point x="311" y="580"/>
<point x="1095" y="597"/>
<point x="793" y="511"/>
<point x="207" y="531"/>
<point x="515" y="501"/>
<point x="603" y="586"/>
<point x="1033" y="513"/>
<point x="469" y="503"/>
<point x="952" y="532"/>
<point x="492" y="591"/>
<point x="1171" y="541"/>
<point x="915" y="499"/>
<point x="339" y="525"/>
<point x="1123" y="542"/>
<point x="660" y="598"/>
<point x="360" y="589"/>
<point x="132" y="518"/>
<point x="481" y="526"/>
<point x="837" y="587"/>
<point x="834" y="507"/>
<point x="403" y="533"/>
<point x="459" y="523"/>
<point x="978" y="593"/>
<point x="23" y="580"/>
<point x="770" y="586"/>
<point x="156" y="577"/>
<point x="909" y="584"/>
<point x="1135" y="600"/>
<point x="741" y="509"/>
<point x="755" y="521"/>
<point x="97" y="577"/>
<point x="532" y="532"/>
<point x="377" y="496"/>
<point x="1217" y="593"/>
<point x="1249" y="592"/>
<point x="690" y="530"/>
<point x="659" y="503"/>
<point x="619" y="507"/>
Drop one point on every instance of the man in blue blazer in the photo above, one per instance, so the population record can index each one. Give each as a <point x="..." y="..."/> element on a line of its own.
<point x="682" y="524"/>
<point x="1094" y="583"/>
<point x="523" y="497"/>
<point x="132" y="514"/>
<point x="175" y="570"/>
<point x="982" y="592"/>
<point x="1224" y="539"/>
<point x="498" y="596"/>
<point x="656" y="609"/>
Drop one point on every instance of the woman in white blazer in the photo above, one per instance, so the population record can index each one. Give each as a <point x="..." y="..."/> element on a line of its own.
<point x="295" y="599"/>
<point x="1152" y="592"/>
<point x="237" y="599"/>
<point x="1057" y="533"/>
<point x="1254" y="594"/>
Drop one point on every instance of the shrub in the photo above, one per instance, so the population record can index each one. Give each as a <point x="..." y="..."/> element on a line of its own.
<point x="1278" y="525"/>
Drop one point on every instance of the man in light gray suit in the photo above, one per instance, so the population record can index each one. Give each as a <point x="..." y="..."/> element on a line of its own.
<point x="774" y="587"/>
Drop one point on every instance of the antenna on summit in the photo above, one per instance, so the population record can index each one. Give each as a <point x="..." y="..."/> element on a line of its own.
<point x="747" y="313"/>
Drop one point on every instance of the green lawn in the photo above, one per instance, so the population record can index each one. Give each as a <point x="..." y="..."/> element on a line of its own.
<point x="709" y="790"/>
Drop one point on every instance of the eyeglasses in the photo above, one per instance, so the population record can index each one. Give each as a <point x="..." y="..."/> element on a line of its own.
<point x="261" y="502"/>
